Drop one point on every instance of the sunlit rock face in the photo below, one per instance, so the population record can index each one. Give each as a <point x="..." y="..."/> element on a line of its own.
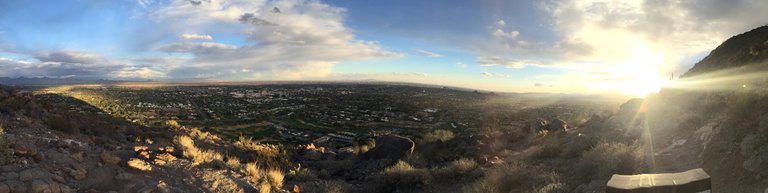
<point x="743" y="49"/>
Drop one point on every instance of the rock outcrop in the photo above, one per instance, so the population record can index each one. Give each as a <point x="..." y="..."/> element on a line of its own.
<point x="391" y="147"/>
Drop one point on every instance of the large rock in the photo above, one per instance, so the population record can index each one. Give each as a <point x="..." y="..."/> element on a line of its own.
<point x="34" y="173"/>
<point x="140" y="165"/>
<point x="537" y="125"/>
<point x="558" y="125"/>
<point x="758" y="161"/>
<point x="391" y="147"/>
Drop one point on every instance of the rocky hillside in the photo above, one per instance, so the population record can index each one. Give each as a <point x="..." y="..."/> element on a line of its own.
<point x="724" y="131"/>
<point x="743" y="49"/>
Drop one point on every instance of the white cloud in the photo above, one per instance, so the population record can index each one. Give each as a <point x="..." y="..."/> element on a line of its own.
<point x="195" y="37"/>
<point x="461" y="65"/>
<point x="501" y="23"/>
<point x="428" y="54"/>
<point x="306" y="39"/>
<point x="132" y="72"/>
<point x="506" y="62"/>
<point x="500" y="34"/>
<point x="636" y="42"/>
<point x="487" y="74"/>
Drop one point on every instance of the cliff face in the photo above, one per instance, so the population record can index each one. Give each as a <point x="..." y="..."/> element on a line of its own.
<point x="743" y="49"/>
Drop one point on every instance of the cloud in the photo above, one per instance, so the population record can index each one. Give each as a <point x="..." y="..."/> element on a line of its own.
<point x="487" y="74"/>
<point x="428" y="54"/>
<point x="538" y="84"/>
<point x="69" y="57"/>
<point x="195" y="37"/>
<point x="501" y="23"/>
<point x="77" y="64"/>
<point x="500" y="34"/>
<point x="461" y="65"/>
<point x="305" y="39"/>
<point x="506" y="62"/>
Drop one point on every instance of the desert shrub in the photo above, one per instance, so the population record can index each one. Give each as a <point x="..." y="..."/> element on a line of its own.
<point x="550" y="188"/>
<point x="335" y="186"/>
<point x="403" y="176"/>
<point x="275" y="178"/>
<point x="59" y="123"/>
<point x="540" y="137"/>
<point x="333" y="167"/>
<point x="549" y="149"/>
<point x="577" y="145"/>
<point x="4" y="150"/>
<point x="173" y="124"/>
<point x="198" y="156"/>
<point x="607" y="159"/>
<point x="513" y="177"/>
<point x="199" y="135"/>
<point x="270" y="156"/>
<point x="265" y="187"/>
<point x="253" y="172"/>
<point x="459" y="170"/>
<point x="233" y="163"/>
<point x="302" y="175"/>
<point x="438" y="134"/>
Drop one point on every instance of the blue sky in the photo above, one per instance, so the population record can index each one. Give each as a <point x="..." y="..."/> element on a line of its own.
<point x="584" y="46"/>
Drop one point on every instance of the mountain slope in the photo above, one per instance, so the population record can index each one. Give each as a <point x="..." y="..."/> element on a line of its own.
<point x="743" y="49"/>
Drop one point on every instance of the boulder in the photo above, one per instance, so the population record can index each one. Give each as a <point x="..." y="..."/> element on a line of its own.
<point x="34" y="173"/>
<point x="758" y="161"/>
<point x="16" y="186"/>
<point x="750" y="143"/>
<point x="391" y="147"/>
<point x="558" y="125"/>
<point x="140" y="165"/>
<point x="24" y="151"/>
<point x="4" y="188"/>
<point x="108" y="158"/>
<point x="78" y="174"/>
<point x="537" y="125"/>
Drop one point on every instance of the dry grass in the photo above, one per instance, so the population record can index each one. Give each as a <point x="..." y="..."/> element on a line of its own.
<point x="403" y="176"/>
<point x="275" y="178"/>
<point x="606" y="159"/>
<point x="271" y="156"/>
<point x="198" y="156"/>
<point x="253" y="171"/>
<point x="234" y="163"/>
<point x="457" y="171"/>
<point x="438" y="134"/>
<point x="173" y="124"/>
<point x="516" y="177"/>
<point x="264" y="187"/>
<point x="335" y="186"/>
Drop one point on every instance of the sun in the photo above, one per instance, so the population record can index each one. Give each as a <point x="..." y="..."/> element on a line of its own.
<point x="637" y="75"/>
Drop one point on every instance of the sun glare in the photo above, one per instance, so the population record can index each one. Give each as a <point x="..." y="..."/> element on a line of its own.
<point x="638" y="75"/>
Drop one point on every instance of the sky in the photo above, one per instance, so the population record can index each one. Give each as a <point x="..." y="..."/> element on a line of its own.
<point x="556" y="46"/>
